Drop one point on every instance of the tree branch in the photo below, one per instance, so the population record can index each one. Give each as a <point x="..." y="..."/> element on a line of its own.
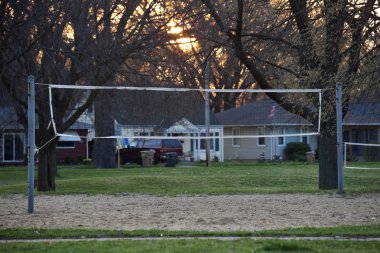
<point x="267" y="37"/>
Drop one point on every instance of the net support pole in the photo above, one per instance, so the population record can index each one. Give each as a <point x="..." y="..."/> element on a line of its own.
<point x="339" y="136"/>
<point x="31" y="142"/>
<point x="207" y="111"/>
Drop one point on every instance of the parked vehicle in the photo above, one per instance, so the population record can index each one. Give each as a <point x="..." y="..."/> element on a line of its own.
<point x="162" y="147"/>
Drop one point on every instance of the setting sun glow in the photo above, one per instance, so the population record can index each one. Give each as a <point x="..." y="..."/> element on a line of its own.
<point x="186" y="44"/>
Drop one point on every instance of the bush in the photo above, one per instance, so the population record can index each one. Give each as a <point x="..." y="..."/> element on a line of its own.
<point x="68" y="160"/>
<point x="296" y="151"/>
<point x="87" y="161"/>
<point x="372" y="154"/>
<point x="79" y="159"/>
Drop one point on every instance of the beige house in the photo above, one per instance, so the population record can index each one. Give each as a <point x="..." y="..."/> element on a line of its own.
<point x="262" y="118"/>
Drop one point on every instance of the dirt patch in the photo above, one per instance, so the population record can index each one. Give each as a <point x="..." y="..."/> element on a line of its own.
<point x="212" y="213"/>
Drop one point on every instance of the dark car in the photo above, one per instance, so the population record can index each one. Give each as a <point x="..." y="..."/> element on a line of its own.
<point x="162" y="147"/>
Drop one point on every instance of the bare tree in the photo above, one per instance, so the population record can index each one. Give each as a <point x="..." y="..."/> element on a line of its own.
<point x="70" y="42"/>
<point x="317" y="44"/>
<point x="182" y="60"/>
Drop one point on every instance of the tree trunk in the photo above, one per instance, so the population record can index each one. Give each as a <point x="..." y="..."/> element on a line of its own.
<point x="47" y="162"/>
<point x="104" y="155"/>
<point x="328" y="160"/>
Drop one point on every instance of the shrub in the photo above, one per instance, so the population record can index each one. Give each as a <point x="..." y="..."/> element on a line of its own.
<point x="79" y="159"/>
<point x="296" y="151"/>
<point x="372" y="154"/>
<point x="68" y="160"/>
<point x="87" y="161"/>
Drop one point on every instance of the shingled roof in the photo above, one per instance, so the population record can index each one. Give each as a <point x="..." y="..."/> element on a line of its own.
<point x="268" y="112"/>
<point x="365" y="113"/>
<point x="162" y="109"/>
<point x="8" y="118"/>
<point x="259" y="113"/>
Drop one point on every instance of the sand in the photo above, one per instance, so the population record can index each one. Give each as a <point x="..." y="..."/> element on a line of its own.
<point x="213" y="213"/>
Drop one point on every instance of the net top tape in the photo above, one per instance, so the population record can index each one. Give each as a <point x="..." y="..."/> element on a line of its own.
<point x="85" y="87"/>
<point x="199" y="137"/>
<point x="362" y="144"/>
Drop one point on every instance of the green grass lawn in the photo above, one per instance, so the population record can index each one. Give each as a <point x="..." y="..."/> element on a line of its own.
<point x="40" y="233"/>
<point x="196" y="245"/>
<point x="365" y="165"/>
<point x="191" y="179"/>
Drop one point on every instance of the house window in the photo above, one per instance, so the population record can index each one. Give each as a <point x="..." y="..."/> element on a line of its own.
<point x="203" y="142"/>
<point x="13" y="147"/>
<point x="214" y="142"/>
<point x="281" y="139"/>
<point x="142" y="133"/>
<point x="261" y="140"/>
<point x="68" y="141"/>
<point x="235" y="141"/>
<point x="346" y="135"/>
<point x="66" y="144"/>
<point x="371" y="136"/>
<point x="192" y="143"/>
<point x="304" y="138"/>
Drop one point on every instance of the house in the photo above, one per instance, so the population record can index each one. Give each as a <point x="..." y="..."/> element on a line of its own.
<point x="176" y="114"/>
<point x="262" y="118"/>
<point x="13" y="140"/>
<point x="12" y="137"/>
<point x="74" y="145"/>
<point x="361" y="124"/>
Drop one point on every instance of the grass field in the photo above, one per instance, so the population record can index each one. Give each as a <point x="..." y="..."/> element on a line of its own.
<point x="191" y="180"/>
<point x="364" y="165"/>
<point x="196" y="245"/>
<point x="342" y="231"/>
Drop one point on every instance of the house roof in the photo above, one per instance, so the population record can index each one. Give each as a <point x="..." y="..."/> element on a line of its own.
<point x="81" y="125"/>
<point x="365" y="113"/>
<point x="161" y="109"/>
<point x="259" y="113"/>
<point x="183" y="126"/>
<point x="268" y="112"/>
<point x="8" y="118"/>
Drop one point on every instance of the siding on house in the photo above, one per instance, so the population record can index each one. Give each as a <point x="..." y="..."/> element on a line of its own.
<point x="76" y="152"/>
<point x="248" y="148"/>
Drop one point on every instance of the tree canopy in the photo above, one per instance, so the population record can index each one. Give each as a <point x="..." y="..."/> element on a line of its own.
<point x="308" y="44"/>
<point x="249" y="44"/>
